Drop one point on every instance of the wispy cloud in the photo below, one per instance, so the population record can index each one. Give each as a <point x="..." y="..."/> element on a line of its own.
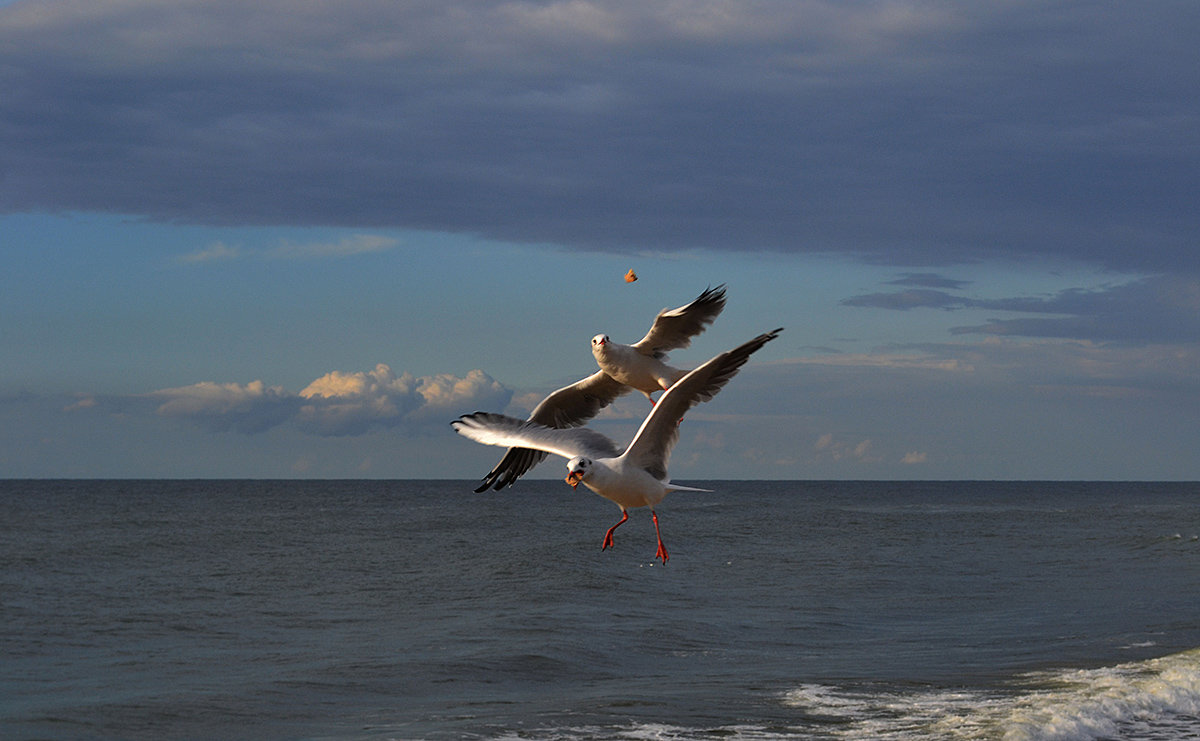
<point x="351" y="246"/>
<point x="82" y="401"/>
<point x="358" y="244"/>
<point x="832" y="447"/>
<point x="916" y="298"/>
<point x="1156" y="309"/>
<point x="929" y="280"/>
<point x="903" y="361"/>
<point x="216" y="252"/>
<point x="1161" y="308"/>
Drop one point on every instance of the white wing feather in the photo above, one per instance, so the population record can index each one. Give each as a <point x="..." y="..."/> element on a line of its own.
<point x="651" y="447"/>
<point x="505" y="431"/>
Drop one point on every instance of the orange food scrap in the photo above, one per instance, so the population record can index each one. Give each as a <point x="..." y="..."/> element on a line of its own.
<point x="630" y="276"/>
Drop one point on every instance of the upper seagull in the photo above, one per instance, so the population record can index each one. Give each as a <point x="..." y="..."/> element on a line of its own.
<point x="622" y="367"/>
<point x="642" y="365"/>
<point x="638" y="476"/>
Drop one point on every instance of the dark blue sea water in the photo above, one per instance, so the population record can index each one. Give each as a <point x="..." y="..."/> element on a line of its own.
<point x="421" y="610"/>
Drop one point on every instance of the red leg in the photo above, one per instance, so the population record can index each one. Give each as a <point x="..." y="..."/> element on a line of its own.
<point x="662" y="549"/>
<point x="608" y="536"/>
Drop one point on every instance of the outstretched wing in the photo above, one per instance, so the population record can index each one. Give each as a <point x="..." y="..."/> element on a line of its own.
<point x="567" y="407"/>
<point x="651" y="447"/>
<point x="574" y="405"/>
<point x="675" y="328"/>
<point x="500" y="429"/>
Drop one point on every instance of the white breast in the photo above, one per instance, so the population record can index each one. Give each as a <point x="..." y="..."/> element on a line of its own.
<point x="628" y="486"/>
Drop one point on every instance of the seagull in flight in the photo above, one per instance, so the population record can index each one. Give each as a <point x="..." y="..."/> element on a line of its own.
<point x="622" y="368"/>
<point x="642" y="365"/>
<point x="636" y="477"/>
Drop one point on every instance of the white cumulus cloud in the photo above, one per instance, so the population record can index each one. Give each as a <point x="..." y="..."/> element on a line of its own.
<point x="351" y="403"/>
<point x="254" y="407"/>
<point x="445" y="394"/>
<point x="336" y="404"/>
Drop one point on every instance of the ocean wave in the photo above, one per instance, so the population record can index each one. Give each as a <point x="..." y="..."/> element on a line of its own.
<point x="1151" y="700"/>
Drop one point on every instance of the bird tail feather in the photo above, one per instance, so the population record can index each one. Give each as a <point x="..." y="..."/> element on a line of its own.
<point x="680" y="487"/>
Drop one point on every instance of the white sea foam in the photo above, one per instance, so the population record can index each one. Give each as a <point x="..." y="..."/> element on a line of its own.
<point x="1155" y="700"/>
<point x="1140" y="700"/>
<point x="657" y="732"/>
<point x="1147" y="700"/>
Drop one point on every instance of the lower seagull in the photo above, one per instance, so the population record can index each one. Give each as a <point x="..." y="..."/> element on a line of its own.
<point x="638" y="476"/>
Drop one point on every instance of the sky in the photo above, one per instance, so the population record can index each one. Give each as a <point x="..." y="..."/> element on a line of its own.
<point x="282" y="239"/>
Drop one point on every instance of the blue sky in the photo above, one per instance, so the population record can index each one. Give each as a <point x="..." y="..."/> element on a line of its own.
<point x="278" y="239"/>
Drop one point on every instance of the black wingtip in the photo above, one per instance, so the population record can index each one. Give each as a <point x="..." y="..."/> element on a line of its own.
<point x="515" y="463"/>
<point x="756" y="344"/>
<point x="712" y="295"/>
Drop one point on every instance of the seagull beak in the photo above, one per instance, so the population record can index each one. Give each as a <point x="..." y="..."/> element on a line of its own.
<point x="573" y="479"/>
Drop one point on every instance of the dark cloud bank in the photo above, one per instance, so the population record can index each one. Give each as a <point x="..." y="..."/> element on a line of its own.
<point x="917" y="134"/>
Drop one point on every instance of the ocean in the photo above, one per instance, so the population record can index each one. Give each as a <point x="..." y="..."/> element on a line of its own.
<point x="339" y="610"/>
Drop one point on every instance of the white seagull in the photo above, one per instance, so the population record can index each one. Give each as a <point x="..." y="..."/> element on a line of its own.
<point x="642" y="365"/>
<point x="622" y="367"/>
<point x="638" y="476"/>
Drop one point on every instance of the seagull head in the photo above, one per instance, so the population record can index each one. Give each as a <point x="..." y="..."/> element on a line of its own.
<point x="599" y="340"/>
<point x="577" y="470"/>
